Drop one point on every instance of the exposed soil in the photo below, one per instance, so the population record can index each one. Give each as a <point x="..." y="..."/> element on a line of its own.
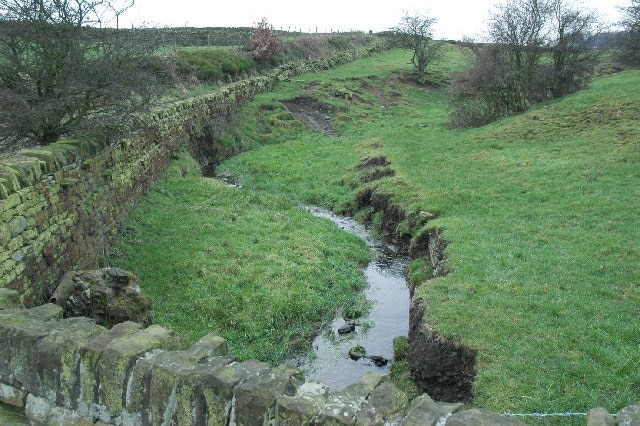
<point x="444" y="368"/>
<point x="314" y="114"/>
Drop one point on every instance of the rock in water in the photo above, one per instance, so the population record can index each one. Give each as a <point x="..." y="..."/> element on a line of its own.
<point x="378" y="360"/>
<point x="354" y="355"/>
<point x="346" y="328"/>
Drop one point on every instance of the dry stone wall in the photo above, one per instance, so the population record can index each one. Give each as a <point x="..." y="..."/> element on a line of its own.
<point x="71" y="371"/>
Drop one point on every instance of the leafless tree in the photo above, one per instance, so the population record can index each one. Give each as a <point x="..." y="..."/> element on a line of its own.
<point x="572" y="35"/>
<point x="540" y="49"/>
<point x="58" y="72"/>
<point x="415" y="32"/>
<point x="631" y="34"/>
<point x="518" y="28"/>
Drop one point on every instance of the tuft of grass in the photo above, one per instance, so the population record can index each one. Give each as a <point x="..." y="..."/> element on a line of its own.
<point x="399" y="372"/>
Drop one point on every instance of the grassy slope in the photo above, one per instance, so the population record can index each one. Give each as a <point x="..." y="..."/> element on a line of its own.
<point x="540" y="212"/>
<point x="544" y="242"/>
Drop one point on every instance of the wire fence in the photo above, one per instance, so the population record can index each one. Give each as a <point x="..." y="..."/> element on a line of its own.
<point x="544" y="415"/>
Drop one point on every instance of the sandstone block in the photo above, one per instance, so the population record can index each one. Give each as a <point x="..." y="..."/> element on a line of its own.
<point x="425" y="411"/>
<point x="629" y="416"/>
<point x="383" y="405"/>
<point x="255" y="398"/>
<point x="342" y="407"/>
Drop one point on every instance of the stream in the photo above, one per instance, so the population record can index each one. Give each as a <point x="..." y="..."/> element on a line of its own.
<point x="388" y="317"/>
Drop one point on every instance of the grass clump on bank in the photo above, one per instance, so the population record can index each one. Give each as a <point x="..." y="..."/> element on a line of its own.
<point x="249" y="266"/>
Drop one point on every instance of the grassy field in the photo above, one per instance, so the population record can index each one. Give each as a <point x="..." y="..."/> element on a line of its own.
<point x="246" y="265"/>
<point x="539" y="211"/>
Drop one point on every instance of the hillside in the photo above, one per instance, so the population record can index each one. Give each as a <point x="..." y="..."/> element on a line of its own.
<point x="539" y="213"/>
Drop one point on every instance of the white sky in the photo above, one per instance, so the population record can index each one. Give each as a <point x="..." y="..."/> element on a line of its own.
<point x="455" y="18"/>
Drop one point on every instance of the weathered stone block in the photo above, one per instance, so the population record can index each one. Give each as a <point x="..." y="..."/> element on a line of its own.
<point x="118" y="358"/>
<point x="629" y="416"/>
<point x="209" y="346"/>
<point x="108" y="295"/>
<point x="4" y="191"/>
<point x="42" y="412"/>
<point x="303" y="407"/>
<point x="218" y="386"/>
<point x="5" y="234"/>
<point x="55" y="367"/>
<point x="10" y="202"/>
<point x="383" y="405"/>
<point x="49" y="159"/>
<point x="12" y="396"/>
<point x="20" y="330"/>
<point x="342" y="407"/>
<point x="17" y="225"/>
<point x="11" y="181"/>
<point x="424" y="411"/>
<point x="90" y="354"/>
<point x="175" y="386"/>
<point x="255" y="398"/>
<point x="600" y="417"/>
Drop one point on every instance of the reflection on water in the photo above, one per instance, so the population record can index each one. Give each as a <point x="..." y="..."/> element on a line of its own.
<point x="388" y="317"/>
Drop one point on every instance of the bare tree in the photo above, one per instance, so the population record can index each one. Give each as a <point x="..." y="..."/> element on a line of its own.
<point x="631" y="35"/>
<point x="58" y="73"/>
<point x="518" y="28"/>
<point x="572" y="36"/>
<point x="415" y="32"/>
<point x="541" y="49"/>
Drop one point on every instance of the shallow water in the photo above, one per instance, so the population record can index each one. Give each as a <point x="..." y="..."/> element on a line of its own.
<point x="388" y="317"/>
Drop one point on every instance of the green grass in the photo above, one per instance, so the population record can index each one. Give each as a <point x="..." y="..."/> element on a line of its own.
<point x="251" y="267"/>
<point x="539" y="211"/>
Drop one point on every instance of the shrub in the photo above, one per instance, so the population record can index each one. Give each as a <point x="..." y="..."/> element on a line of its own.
<point x="486" y="92"/>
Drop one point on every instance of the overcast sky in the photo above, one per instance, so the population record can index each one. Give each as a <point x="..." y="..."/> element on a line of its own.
<point x="455" y="18"/>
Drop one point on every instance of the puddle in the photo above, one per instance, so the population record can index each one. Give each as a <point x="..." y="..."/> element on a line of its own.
<point x="388" y="317"/>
